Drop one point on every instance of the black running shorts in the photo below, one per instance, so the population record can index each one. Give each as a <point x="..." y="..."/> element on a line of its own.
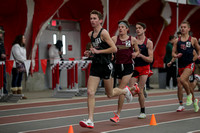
<point x="122" y="70"/>
<point x="104" y="71"/>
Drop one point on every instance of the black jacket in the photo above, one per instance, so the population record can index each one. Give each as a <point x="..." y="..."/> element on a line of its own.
<point x="2" y="49"/>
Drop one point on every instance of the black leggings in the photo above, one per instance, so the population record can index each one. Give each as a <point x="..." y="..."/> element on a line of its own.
<point x="171" y="72"/>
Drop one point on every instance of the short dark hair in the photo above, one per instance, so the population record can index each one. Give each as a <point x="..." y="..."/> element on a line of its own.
<point x="99" y="14"/>
<point x="142" y="24"/>
<point x="171" y="37"/>
<point x="59" y="45"/>
<point x="124" y="21"/>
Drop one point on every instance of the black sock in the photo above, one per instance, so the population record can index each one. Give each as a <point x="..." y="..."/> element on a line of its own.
<point x="142" y="110"/>
<point x="181" y="102"/>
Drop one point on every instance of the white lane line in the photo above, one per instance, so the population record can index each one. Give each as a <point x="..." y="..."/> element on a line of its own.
<point x="55" y="118"/>
<point x="59" y="110"/>
<point x="195" y="131"/>
<point x="98" y="122"/>
<point x="41" y="106"/>
<point x="149" y="125"/>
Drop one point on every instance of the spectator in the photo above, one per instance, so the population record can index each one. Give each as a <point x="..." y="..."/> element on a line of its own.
<point x="171" y="70"/>
<point x="55" y="52"/>
<point x="18" y="54"/>
<point x="3" y="58"/>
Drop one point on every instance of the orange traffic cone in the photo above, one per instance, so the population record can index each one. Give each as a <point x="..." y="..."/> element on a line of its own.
<point x="70" y="129"/>
<point x="153" y="120"/>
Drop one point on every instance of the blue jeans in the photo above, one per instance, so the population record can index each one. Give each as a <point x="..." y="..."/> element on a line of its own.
<point x="16" y="78"/>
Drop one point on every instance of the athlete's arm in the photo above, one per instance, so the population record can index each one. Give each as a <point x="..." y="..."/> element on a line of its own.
<point x="114" y="38"/>
<point x="174" y="49"/>
<point x="149" y="58"/>
<point x="136" y="48"/>
<point x="196" y="45"/>
<point x="195" y="56"/>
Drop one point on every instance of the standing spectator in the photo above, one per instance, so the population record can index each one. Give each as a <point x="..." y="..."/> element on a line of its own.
<point x="3" y="58"/>
<point x="55" y="54"/>
<point x="171" y="70"/>
<point x="18" y="54"/>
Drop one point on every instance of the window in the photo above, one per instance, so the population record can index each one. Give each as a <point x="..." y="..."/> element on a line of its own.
<point x="64" y="43"/>
<point x="54" y="38"/>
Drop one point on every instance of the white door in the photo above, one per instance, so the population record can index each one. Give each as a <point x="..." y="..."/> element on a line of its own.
<point x="71" y="49"/>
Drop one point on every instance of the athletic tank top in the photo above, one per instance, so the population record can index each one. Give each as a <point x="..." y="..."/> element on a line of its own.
<point x="124" y="51"/>
<point x="144" y="51"/>
<point x="186" y="49"/>
<point x="99" y="44"/>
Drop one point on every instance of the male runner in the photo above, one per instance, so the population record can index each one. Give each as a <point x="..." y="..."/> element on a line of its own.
<point x="142" y="64"/>
<point x="192" y="83"/>
<point x="183" y="50"/>
<point x="102" y="47"/>
<point x="124" y="60"/>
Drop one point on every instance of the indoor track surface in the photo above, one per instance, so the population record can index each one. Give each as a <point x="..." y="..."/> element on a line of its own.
<point x="55" y="116"/>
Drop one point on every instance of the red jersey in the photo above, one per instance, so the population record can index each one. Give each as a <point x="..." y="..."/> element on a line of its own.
<point x="124" y="51"/>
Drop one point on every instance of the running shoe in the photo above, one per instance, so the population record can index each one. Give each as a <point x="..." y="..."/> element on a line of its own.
<point x="86" y="123"/>
<point x="142" y="116"/>
<point x="128" y="94"/>
<point x="196" y="105"/>
<point x="115" y="119"/>
<point x="137" y="89"/>
<point x="197" y="77"/>
<point x="180" y="108"/>
<point x="189" y="99"/>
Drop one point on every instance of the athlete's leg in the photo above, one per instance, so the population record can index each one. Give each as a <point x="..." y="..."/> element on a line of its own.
<point x="192" y="87"/>
<point x="180" y="95"/>
<point x="132" y="82"/>
<point x="142" y="82"/>
<point x="123" y="82"/>
<point x="110" y="91"/>
<point x="93" y="83"/>
<point x="180" y="91"/>
<point x="194" y="84"/>
<point x="195" y="101"/>
<point x="184" y="79"/>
